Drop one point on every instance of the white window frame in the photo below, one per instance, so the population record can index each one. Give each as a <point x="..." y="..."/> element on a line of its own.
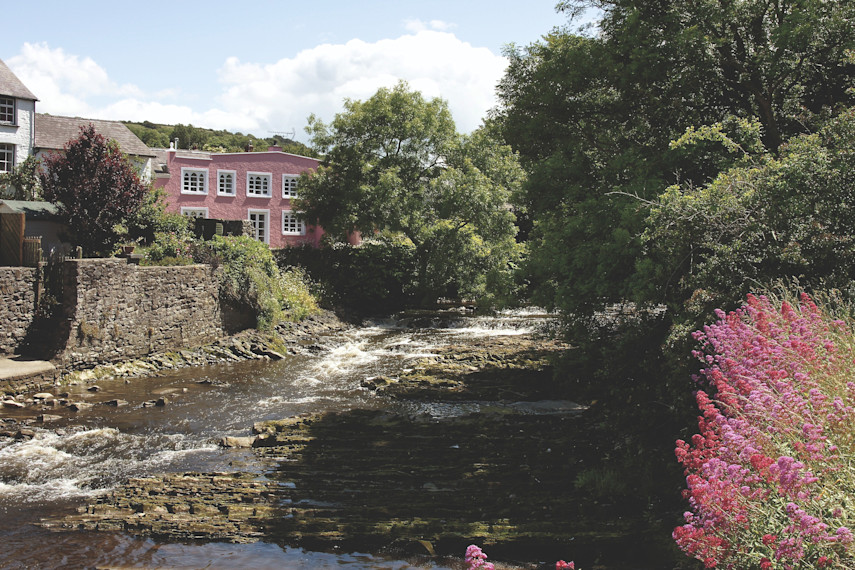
<point x="194" y="212"/>
<point x="264" y="192"/>
<point x="220" y="175"/>
<point x="289" y="185"/>
<point x="266" y="213"/>
<point x="187" y="171"/>
<point x="9" y="106"/>
<point x="7" y="164"/>
<point x="299" y="225"/>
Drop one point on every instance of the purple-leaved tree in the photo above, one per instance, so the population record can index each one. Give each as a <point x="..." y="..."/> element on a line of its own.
<point x="95" y="187"/>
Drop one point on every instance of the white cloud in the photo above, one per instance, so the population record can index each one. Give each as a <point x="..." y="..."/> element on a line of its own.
<point x="317" y="80"/>
<point x="64" y="82"/>
<point x="258" y="98"/>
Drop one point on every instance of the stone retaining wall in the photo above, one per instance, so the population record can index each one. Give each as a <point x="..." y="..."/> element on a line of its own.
<point x="115" y="310"/>
<point x="17" y="306"/>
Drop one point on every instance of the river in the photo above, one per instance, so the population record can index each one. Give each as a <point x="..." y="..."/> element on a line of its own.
<point x="85" y="454"/>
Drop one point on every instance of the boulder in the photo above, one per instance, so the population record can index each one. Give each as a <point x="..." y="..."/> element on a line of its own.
<point x="229" y="441"/>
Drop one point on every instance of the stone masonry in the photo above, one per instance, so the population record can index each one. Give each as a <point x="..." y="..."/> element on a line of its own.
<point x="17" y="306"/>
<point x="116" y="310"/>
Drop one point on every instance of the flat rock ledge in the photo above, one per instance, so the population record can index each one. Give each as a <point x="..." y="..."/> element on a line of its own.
<point x="232" y="507"/>
<point x="501" y="368"/>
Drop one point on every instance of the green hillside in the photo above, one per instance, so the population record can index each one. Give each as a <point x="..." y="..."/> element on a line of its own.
<point x="159" y="136"/>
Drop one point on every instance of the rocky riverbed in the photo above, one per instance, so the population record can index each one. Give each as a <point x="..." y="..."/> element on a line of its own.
<point x="474" y="441"/>
<point x="479" y="451"/>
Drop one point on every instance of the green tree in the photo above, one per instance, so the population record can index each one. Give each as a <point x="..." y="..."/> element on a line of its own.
<point x="395" y="162"/>
<point x="189" y="136"/>
<point x="22" y="183"/>
<point x="95" y="188"/>
<point x="769" y="218"/>
<point x="150" y="134"/>
<point x="592" y="119"/>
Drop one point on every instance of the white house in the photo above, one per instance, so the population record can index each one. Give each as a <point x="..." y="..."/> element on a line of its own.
<point x="17" y="120"/>
<point x="23" y="132"/>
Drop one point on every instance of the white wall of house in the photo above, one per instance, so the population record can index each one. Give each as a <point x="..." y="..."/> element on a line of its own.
<point x="23" y="133"/>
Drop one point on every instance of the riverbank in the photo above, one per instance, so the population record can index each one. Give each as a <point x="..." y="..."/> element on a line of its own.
<point x="286" y="338"/>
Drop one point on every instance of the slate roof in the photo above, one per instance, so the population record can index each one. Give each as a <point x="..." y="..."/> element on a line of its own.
<point x="52" y="133"/>
<point x="12" y="86"/>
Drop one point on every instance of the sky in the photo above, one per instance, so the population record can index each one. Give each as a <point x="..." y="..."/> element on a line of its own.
<point x="264" y="66"/>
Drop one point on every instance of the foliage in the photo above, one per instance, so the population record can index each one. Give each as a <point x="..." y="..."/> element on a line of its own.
<point x="592" y="118"/>
<point x="169" y="248"/>
<point x="781" y="62"/>
<point x="251" y="279"/>
<point x="396" y="163"/>
<point x="152" y="218"/>
<point x="95" y="188"/>
<point x="22" y="183"/>
<point x="370" y="278"/>
<point x="297" y="298"/>
<point x="769" y="477"/>
<point x="188" y="136"/>
<point x="773" y="217"/>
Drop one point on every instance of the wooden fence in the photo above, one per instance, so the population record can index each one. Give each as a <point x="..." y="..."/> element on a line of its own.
<point x="12" y="239"/>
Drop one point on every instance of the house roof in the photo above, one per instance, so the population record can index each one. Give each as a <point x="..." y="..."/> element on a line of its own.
<point x="52" y="133"/>
<point x="32" y="210"/>
<point x="12" y="86"/>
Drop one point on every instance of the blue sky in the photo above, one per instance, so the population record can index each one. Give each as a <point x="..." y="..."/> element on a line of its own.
<point x="262" y="66"/>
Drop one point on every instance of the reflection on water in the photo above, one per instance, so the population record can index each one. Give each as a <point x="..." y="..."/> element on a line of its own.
<point x="87" y="453"/>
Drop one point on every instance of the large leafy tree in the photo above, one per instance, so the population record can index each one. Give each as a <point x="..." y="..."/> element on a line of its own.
<point x="95" y="188"/>
<point x="396" y="163"/>
<point x="592" y="118"/>
<point x="770" y="217"/>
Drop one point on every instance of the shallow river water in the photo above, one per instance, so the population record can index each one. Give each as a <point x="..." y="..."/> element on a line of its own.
<point x="86" y="454"/>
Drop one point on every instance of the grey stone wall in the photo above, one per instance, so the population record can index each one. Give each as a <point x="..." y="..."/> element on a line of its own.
<point x="117" y="311"/>
<point x="17" y="306"/>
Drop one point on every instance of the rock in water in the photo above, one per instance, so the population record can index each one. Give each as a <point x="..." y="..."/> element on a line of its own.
<point x="229" y="441"/>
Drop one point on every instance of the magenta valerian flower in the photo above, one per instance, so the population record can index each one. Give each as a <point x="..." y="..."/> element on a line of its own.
<point x="772" y="438"/>
<point x="475" y="558"/>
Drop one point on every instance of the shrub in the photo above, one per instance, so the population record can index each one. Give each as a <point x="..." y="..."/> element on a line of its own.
<point x="298" y="300"/>
<point x="169" y="248"/>
<point x="251" y="279"/>
<point x="373" y="277"/>
<point x="152" y="218"/>
<point x="769" y="478"/>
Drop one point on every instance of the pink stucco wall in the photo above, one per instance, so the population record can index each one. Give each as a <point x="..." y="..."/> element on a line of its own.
<point x="237" y="206"/>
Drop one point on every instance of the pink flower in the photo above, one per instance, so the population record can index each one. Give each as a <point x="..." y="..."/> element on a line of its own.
<point x="475" y="558"/>
<point x="561" y="565"/>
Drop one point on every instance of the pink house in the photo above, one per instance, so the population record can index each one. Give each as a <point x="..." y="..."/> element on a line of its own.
<point x="254" y="186"/>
